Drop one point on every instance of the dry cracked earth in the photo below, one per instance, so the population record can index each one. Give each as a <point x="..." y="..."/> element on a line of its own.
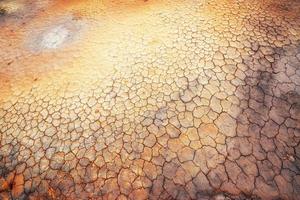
<point x="147" y="99"/>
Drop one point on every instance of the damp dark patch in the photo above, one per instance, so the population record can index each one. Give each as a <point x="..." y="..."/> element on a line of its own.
<point x="267" y="99"/>
<point x="4" y="171"/>
<point x="2" y="12"/>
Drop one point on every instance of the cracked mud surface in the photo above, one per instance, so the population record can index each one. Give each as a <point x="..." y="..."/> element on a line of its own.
<point x="150" y="99"/>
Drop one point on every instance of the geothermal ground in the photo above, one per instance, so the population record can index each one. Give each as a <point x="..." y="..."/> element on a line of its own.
<point x="148" y="99"/>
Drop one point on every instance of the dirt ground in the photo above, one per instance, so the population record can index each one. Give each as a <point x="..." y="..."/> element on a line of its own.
<point x="148" y="99"/>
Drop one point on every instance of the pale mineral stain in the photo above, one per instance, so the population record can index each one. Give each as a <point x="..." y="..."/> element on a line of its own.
<point x="55" y="37"/>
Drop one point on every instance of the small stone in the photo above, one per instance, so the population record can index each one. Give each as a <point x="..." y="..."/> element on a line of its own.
<point x="219" y="197"/>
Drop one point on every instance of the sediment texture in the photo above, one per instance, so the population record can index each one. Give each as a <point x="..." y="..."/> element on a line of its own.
<point x="150" y="99"/>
